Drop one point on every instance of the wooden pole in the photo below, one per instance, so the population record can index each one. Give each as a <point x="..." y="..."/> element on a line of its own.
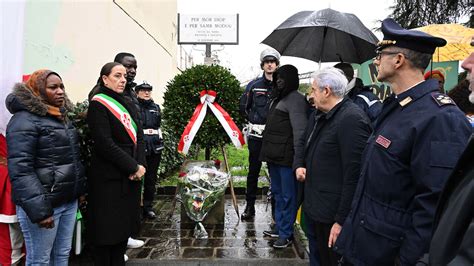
<point x="231" y="184"/>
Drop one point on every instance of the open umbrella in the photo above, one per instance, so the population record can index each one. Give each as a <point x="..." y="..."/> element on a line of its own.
<point x="458" y="38"/>
<point x="324" y="36"/>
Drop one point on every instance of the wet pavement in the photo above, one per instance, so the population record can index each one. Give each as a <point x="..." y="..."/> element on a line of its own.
<point x="170" y="240"/>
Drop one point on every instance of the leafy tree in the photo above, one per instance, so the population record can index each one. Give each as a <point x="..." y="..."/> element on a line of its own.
<point x="418" y="13"/>
<point x="182" y="97"/>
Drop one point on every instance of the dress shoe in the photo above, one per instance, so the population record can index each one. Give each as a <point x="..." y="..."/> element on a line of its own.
<point x="249" y="213"/>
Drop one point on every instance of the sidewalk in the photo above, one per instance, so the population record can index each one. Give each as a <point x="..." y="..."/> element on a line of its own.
<point x="232" y="243"/>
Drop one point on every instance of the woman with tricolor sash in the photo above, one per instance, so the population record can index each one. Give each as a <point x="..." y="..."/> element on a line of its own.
<point x="118" y="157"/>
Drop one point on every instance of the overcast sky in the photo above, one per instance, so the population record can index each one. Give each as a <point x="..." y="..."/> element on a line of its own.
<point x="258" y="18"/>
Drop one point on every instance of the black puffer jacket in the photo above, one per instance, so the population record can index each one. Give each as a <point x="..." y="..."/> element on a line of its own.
<point x="43" y="156"/>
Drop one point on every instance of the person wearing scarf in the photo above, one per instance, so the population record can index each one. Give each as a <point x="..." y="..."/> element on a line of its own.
<point x="117" y="167"/>
<point x="44" y="165"/>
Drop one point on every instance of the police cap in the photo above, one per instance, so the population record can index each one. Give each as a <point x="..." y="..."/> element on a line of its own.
<point x="395" y="35"/>
<point x="269" y="54"/>
<point x="143" y="86"/>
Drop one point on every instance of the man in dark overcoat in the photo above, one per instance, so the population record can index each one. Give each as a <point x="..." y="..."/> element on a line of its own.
<point x="334" y="140"/>
<point x="453" y="234"/>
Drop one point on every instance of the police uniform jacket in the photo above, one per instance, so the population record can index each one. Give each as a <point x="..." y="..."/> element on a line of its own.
<point x="255" y="101"/>
<point x="151" y="119"/>
<point x="416" y="142"/>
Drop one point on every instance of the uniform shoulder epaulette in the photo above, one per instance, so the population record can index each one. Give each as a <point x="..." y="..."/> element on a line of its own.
<point x="442" y="99"/>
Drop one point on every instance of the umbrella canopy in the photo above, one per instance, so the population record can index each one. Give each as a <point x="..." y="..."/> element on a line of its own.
<point x="324" y="36"/>
<point x="458" y="38"/>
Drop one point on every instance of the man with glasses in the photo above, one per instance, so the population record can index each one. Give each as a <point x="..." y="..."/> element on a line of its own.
<point x="417" y="139"/>
<point x="254" y="107"/>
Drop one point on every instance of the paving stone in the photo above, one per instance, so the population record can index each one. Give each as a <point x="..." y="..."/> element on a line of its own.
<point x="150" y="232"/>
<point x="164" y="253"/>
<point x="156" y="242"/>
<point x="210" y="242"/>
<point x="198" y="253"/>
<point x="269" y="253"/>
<point x="174" y="233"/>
<point x="180" y="242"/>
<point x="139" y="253"/>
<point x="224" y="253"/>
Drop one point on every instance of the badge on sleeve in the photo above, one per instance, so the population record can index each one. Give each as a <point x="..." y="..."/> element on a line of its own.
<point x="383" y="141"/>
<point x="442" y="99"/>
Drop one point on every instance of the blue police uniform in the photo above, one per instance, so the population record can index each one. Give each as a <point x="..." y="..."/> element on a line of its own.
<point x="417" y="140"/>
<point x="254" y="107"/>
<point x="254" y="101"/>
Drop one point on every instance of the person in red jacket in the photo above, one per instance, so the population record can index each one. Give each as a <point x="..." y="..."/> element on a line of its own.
<point x="11" y="239"/>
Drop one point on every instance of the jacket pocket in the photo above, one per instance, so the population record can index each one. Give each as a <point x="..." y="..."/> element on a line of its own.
<point x="260" y="99"/>
<point x="385" y="239"/>
<point x="275" y="146"/>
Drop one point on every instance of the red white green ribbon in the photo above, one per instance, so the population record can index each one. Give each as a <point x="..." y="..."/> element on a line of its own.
<point x="120" y="112"/>
<point x="207" y="100"/>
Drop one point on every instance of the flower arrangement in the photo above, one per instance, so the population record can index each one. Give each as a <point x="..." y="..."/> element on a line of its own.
<point x="200" y="187"/>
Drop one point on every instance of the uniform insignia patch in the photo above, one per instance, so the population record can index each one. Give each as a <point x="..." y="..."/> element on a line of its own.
<point x="406" y="101"/>
<point x="442" y="99"/>
<point x="383" y="141"/>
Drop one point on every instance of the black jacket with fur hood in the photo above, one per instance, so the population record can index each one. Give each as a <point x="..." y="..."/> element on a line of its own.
<point x="43" y="156"/>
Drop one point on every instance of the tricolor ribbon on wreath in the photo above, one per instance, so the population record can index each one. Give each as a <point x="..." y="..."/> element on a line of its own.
<point x="208" y="100"/>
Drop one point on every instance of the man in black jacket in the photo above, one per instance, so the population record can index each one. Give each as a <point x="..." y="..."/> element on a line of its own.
<point x="330" y="166"/>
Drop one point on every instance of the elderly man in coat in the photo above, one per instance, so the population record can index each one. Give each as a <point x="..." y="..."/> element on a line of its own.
<point x="330" y="166"/>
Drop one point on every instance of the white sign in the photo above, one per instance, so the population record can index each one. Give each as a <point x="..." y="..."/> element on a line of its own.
<point x="212" y="29"/>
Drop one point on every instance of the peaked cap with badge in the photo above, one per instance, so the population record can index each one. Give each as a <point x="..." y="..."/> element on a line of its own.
<point x="395" y="35"/>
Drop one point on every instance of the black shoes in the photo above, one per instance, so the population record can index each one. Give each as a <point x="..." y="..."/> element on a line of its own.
<point x="249" y="213"/>
<point x="149" y="215"/>
<point x="271" y="233"/>
<point x="282" y="243"/>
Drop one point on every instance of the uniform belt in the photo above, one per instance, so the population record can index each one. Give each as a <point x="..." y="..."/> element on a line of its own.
<point x="3" y="161"/>
<point x="151" y="131"/>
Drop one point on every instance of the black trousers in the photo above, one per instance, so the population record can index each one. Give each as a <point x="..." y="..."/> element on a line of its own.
<point x="110" y="255"/>
<point x="254" y="146"/>
<point x="149" y="191"/>
<point x="327" y="256"/>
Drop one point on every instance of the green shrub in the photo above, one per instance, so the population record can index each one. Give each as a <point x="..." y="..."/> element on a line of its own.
<point x="180" y="100"/>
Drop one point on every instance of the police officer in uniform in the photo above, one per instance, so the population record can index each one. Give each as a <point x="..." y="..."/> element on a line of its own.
<point x="417" y="140"/>
<point x="151" y="119"/>
<point x="254" y="107"/>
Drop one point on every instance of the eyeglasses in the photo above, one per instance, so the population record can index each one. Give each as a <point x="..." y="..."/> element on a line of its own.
<point x="380" y="53"/>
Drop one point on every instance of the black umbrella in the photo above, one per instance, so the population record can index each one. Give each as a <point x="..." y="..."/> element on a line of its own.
<point x="324" y="36"/>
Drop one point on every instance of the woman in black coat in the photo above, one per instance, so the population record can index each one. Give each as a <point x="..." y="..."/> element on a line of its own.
<point x="116" y="167"/>
<point x="46" y="174"/>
